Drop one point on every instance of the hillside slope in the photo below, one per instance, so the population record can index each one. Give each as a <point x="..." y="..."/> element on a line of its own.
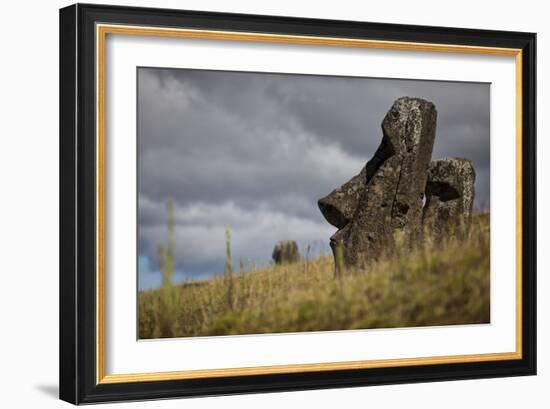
<point x="443" y="284"/>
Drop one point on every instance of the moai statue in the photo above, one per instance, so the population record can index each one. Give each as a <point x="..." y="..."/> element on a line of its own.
<point x="388" y="193"/>
<point x="286" y="251"/>
<point x="449" y="198"/>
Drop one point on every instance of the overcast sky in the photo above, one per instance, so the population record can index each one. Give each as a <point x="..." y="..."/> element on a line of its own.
<point x="256" y="151"/>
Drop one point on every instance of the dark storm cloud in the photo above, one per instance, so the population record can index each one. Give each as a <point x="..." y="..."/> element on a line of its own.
<point x="255" y="151"/>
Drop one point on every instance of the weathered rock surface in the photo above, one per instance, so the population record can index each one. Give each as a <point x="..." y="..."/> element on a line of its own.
<point x="286" y="251"/>
<point x="394" y="181"/>
<point x="339" y="206"/>
<point x="449" y="197"/>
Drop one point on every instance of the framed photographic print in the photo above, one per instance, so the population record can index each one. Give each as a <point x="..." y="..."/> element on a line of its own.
<point x="258" y="203"/>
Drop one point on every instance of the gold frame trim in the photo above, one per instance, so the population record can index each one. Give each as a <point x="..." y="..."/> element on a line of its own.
<point x="101" y="33"/>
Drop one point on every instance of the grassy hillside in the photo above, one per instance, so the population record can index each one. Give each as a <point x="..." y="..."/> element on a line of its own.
<point x="441" y="284"/>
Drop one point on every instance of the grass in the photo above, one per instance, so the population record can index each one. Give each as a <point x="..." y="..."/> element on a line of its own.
<point x="441" y="284"/>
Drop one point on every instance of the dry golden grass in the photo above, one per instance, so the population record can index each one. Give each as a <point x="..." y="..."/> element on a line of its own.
<point x="434" y="285"/>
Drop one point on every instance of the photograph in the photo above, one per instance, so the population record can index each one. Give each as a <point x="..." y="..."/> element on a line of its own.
<point x="275" y="202"/>
<point x="260" y="203"/>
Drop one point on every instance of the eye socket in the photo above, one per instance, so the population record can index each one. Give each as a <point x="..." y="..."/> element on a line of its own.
<point x="444" y="191"/>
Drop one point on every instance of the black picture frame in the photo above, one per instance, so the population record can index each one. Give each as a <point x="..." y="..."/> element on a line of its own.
<point x="78" y="312"/>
